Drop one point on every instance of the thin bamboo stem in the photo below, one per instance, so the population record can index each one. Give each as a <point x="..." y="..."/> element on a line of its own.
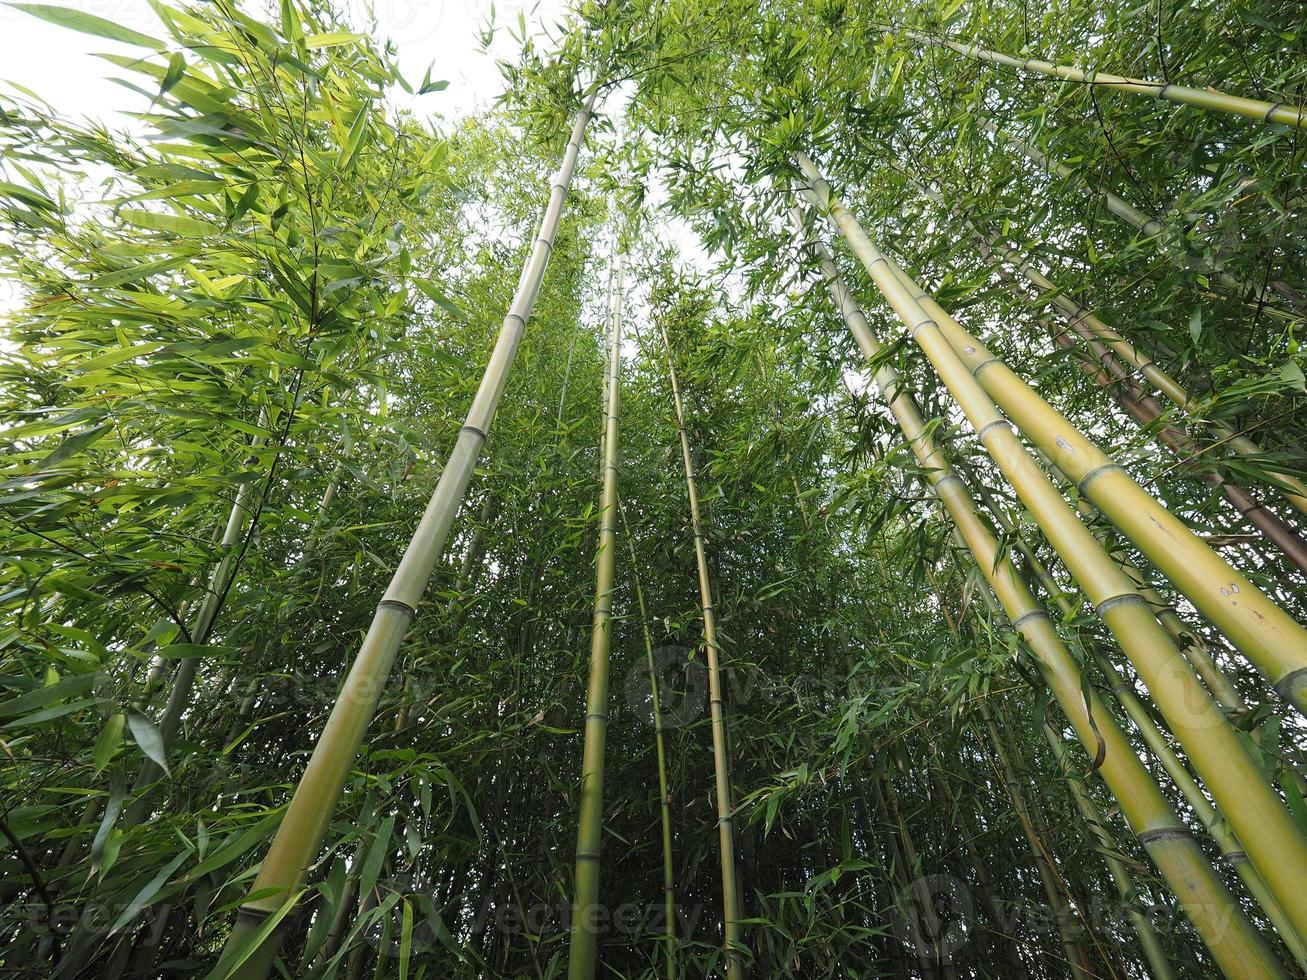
<point x="248" y="955"/>
<point x="660" y="753"/>
<point x="1204" y="98"/>
<point x="583" y="949"/>
<point x="1237" y="947"/>
<point x="721" y="766"/>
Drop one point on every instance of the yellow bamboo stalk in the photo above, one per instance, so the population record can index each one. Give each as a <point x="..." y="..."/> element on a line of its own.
<point x="717" y="717"/>
<point x="1272" y="838"/>
<point x="583" y="948"/>
<point x="1081" y="319"/>
<point x="1237" y="947"/>
<point x="1204" y="98"/>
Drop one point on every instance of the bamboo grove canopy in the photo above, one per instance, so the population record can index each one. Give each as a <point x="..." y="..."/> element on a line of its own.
<point x="803" y="489"/>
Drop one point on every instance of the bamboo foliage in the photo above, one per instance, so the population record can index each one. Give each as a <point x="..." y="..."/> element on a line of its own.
<point x="250" y="951"/>
<point x="1151" y="817"/>
<point x="1282" y="113"/>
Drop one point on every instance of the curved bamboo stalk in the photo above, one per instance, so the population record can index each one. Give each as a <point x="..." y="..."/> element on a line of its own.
<point x="1151" y="227"/>
<point x="660" y="754"/>
<point x="1268" y="112"/>
<point x="721" y="767"/>
<point x="1091" y="328"/>
<point x="1274" y="841"/>
<point x="1093" y="817"/>
<point x="583" y="948"/>
<point x="250" y="950"/>
<point x="1236" y="945"/>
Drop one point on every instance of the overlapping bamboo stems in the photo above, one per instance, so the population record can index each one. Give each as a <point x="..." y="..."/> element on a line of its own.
<point x="1158" y="744"/>
<point x="717" y="717"/>
<point x="1077" y="959"/>
<point x="583" y="948"/>
<point x="255" y="937"/>
<point x="1090" y="812"/>
<point x="1267" y="635"/>
<point x="1102" y="339"/>
<point x="1149" y="227"/>
<point x="660" y="754"/>
<point x="1273" y="840"/>
<point x="1203" y="98"/>
<point x="1235" y="944"/>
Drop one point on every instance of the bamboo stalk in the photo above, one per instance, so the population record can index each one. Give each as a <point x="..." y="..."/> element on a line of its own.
<point x="721" y="767"/>
<point x="1235" y="944"/>
<point x="1204" y="98"/>
<point x="660" y="754"/>
<point x="583" y="948"/>
<point x="247" y="956"/>
<point x="1158" y="963"/>
<point x="1076" y="957"/>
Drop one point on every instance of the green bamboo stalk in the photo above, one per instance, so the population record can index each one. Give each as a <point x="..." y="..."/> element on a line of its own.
<point x="1235" y="944"/>
<point x="247" y="954"/>
<point x="1149" y="227"/>
<point x="660" y="753"/>
<point x="1274" y="842"/>
<point x="721" y="766"/>
<point x="1076" y="957"/>
<point x="1268" y="112"/>
<point x="1158" y="963"/>
<point x="583" y="950"/>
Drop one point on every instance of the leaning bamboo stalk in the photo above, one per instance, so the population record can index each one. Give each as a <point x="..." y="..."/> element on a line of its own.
<point x="250" y="950"/>
<point x="1274" y="841"/>
<point x="1149" y="227"/>
<point x="660" y="755"/>
<point x="717" y="717"/>
<point x="1077" y="959"/>
<point x="1237" y="947"/>
<point x="1204" y="98"/>
<point x="1158" y="963"/>
<point x="1080" y="319"/>
<point x="583" y="948"/>
<point x="1157" y="743"/>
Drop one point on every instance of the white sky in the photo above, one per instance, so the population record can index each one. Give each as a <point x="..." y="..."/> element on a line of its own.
<point x="60" y="65"/>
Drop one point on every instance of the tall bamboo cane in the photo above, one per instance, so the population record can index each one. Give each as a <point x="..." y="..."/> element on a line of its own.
<point x="1273" y="840"/>
<point x="251" y="948"/>
<point x="1158" y="963"/>
<point x="1151" y="227"/>
<point x="1267" y="112"/>
<point x="660" y="754"/>
<point x="1237" y="947"/>
<point x="721" y="765"/>
<point x="583" y="953"/>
